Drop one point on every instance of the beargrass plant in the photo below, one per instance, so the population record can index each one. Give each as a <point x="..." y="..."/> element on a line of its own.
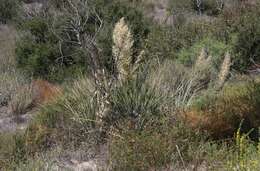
<point x="180" y="84"/>
<point x="136" y="101"/>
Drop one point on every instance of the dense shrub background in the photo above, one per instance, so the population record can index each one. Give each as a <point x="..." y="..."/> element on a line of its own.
<point x="41" y="53"/>
<point x="247" y="45"/>
<point x="9" y="10"/>
<point x="172" y="115"/>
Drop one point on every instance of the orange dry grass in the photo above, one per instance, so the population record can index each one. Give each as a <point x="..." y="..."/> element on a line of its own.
<point x="29" y="96"/>
<point x="215" y="125"/>
<point x="44" y="92"/>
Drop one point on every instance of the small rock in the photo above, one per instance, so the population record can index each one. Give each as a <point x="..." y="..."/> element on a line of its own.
<point x="87" y="166"/>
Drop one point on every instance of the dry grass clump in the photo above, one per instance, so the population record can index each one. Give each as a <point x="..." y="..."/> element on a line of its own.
<point x="65" y="119"/>
<point x="27" y="96"/>
<point x="9" y="83"/>
<point x="82" y="94"/>
<point x="179" y="83"/>
<point x="173" y="80"/>
<point x="10" y="79"/>
<point x="15" y="91"/>
<point x="21" y="101"/>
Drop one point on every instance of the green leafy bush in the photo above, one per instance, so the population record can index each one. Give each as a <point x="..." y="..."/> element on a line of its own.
<point x="47" y="51"/>
<point x="173" y="39"/>
<point x="238" y="26"/>
<point x="9" y="10"/>
<point x="163" y="36"/>
<point x="247" y="44"/>
<point x="39" y="53"/>
<point x="215" y="48"/>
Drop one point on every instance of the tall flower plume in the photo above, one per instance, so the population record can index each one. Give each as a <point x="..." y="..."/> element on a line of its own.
<point x="122" y="49"/>
<point x="224" y="71"/>
<point x="202" y="58"/>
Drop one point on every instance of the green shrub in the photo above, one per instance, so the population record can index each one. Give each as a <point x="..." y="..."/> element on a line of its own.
<point x="238" y="26"/>
<point x="172" y="39"/>
<point x="38" y="53"/>
<point x="58" y="3"/>
<point x="52" y="56"/>
<point x="190" y="32"/>
<point x="9" y="10"/>
<point x="164" y="144"/>
<point x="163" y="36"/>
<point x="215" y="48"/>
<point x="141" y="150"/>
<point x="247" y="45"/>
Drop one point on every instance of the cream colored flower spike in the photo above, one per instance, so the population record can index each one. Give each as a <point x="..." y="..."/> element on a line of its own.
<point x="224" y="71"/>
<point x="122" y="49"/>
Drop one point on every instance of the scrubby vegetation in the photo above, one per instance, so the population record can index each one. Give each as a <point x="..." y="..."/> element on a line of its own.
<point x="9" y="10"/>
<point x="129" y="85"/>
